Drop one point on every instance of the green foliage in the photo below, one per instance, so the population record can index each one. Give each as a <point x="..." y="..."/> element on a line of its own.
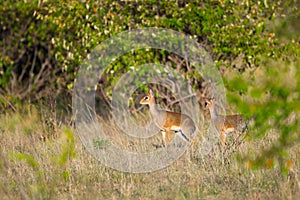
<point x="272" y="102"/>
<point x="59" y="35"/>
<point x="28" y="158"/>
<point x="24" y="158"/>
<point x="98" y="143"/>
<point x="238" y="84"/>
<point x="67" y="151"/>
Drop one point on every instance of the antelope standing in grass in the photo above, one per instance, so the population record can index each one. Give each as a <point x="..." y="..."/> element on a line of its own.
<point x="168" y="121"/>
<point x="225" y="124"/>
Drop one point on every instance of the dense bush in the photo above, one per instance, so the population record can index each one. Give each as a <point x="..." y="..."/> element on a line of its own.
<point x="43" y="43"/>
<point x="28" y="67"/>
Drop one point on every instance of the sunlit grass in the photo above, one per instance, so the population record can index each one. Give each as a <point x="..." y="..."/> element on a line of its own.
<point x="57" y="166"/>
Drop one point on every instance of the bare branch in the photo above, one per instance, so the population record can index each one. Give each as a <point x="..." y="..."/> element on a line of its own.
<point x="8" y="102"/>
<point x="31" y="69"/>
<point x="183" y="98"/>
<point x="24" y="69"/>
<point x="105" y="97"/>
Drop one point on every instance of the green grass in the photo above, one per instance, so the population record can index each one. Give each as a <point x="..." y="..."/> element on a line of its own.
<point x="41" y="163"/>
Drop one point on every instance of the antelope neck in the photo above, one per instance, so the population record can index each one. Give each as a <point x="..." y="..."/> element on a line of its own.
<point x="153" y="108"/>
<point x="213" y="112"/>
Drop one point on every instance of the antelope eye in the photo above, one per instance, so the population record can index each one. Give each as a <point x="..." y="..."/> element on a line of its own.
<point x="205" y="104"/>
<point x="146" y="98"/>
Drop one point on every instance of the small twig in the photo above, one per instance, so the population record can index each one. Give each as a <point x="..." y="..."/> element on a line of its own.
<point x="177" y="62"/>
<point x="137" y="110"/>
<point x="105" y="97"/>
<point x="183" y="98"/>
<point x="24" y="70"/>
<point x="31" y="70"/>
<point x="46" y="63"/>
<point x="8" y="102"/>
<point x="187" y="63"/>
<point x="20" y="56"/>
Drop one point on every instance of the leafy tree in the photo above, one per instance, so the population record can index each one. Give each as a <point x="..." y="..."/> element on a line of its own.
<point x="45" y="42"/>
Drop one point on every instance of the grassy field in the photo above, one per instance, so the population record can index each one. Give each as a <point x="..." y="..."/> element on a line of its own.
<point x="43" y="162"/>
<point x="254" y="44"/>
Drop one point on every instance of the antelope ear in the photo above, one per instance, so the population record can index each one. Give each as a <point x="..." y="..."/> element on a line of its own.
<point x="151" y="93"/>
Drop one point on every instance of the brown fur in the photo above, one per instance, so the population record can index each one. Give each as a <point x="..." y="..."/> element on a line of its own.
<point x="225" y="123"/>
<point x="169" y="121"/>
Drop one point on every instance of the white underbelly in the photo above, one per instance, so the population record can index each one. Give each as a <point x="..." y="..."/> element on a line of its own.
<point x="175" y="128"/>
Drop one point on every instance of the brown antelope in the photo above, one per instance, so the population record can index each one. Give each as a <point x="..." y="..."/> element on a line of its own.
<point x="168" y="121"/>
<point x="225" y="124"/>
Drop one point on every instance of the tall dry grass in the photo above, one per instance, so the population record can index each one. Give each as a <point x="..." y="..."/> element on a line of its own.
<point x="39" y="162"/>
